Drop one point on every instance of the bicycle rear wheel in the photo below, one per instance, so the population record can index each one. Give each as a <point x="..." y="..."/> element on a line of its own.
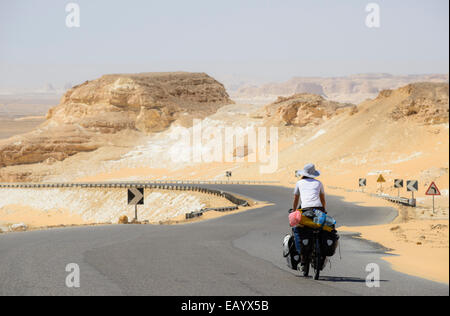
<point x="317" y="263"/>
<point x="306" y="266"/>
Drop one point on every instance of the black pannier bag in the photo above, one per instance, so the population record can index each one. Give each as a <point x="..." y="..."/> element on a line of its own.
<point x="290" y="252"/>
<point x="306" y="239"/>
<point x="329" y="243"/>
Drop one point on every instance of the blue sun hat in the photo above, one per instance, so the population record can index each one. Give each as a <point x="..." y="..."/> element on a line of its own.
<point x="309" y="171"/>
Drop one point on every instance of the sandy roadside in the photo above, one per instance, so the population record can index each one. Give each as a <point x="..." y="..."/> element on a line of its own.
<point x="418" y="239"/>
<point x="421" y="247"/>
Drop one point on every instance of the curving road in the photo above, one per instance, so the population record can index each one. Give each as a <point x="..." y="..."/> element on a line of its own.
<point x="232" y="255"/>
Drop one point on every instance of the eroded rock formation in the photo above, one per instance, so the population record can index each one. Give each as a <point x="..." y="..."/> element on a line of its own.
<point x="302" y="109"/>
<point x="425" y="103"/>
<point x="90" y="113"/>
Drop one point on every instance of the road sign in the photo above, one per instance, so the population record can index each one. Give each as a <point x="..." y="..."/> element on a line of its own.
<point x="229" y="173"/>
<point x="398" y="183"/>
<point x="412" y="185"/>
<point x="362" y="182"/>
<point x="381" y="179"/>
<point x="136" y="196"/>
<point x="433" y="190"/>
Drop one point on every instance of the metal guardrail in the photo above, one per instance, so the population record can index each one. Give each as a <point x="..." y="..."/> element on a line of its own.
<point x="126" y="184"/>
<point x="217" y="209"/>
<point x="194" y="214"/>
<point x="178" y="185"/>
<point x="234" y="199"/>
<point x="397" y="199"/>
<point x="394" y="199"/>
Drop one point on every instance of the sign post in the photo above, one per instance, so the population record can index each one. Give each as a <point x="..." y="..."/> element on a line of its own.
<point x="398" y="183"/>
<point x="136" y="197"/>
<point x="412" y="186"/>
<point x="362" y="183"/>
<point x="381" y="180"/>
<point x="433" y="191"/>
<point x="229" y="174"/>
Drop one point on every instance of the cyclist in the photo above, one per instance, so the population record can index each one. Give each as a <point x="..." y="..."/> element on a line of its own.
<point x="309" y="191"/>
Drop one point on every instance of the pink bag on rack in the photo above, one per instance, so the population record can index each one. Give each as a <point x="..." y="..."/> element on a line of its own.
<point x="295" y="218"/>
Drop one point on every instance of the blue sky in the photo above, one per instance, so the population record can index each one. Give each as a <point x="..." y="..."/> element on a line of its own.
<point x="261" y="40"/>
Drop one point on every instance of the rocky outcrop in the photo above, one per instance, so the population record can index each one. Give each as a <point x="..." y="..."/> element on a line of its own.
<point x="153" y="119"/>
<point x="46" y="145"/>
<point x="303" y="109"/>
<point x="425" y="103"/>
<point x="89" y="114"/>
<point x="148" y="101"/>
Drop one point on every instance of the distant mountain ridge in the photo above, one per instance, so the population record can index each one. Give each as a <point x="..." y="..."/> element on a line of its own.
<point x="349" y="89"/>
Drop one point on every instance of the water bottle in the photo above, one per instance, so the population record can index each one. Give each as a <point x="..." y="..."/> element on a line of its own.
<point x="323" y="219"/>
<point x="319" y="218"/>
<point x="330" y="221"/>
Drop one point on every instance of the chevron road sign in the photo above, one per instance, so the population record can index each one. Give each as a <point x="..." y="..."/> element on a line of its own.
<point x="412" y="185"/>
<point x="398" y="183"/>
<point x="136" y="196"/>
<point x="362" y="182"/>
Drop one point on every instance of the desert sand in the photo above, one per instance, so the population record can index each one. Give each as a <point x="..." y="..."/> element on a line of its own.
<point x="420" y="247"/>
<point x="10" y="126"/>
<point x="52" y="207"/>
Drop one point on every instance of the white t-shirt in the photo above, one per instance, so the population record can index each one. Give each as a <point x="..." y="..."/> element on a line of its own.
<point x="309" y="191"/>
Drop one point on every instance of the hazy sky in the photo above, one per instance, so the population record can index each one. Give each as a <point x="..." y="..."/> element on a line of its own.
<point x="261" y="40"/>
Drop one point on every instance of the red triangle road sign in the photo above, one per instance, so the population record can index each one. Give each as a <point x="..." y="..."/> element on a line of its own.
<point x="433" y="189"/>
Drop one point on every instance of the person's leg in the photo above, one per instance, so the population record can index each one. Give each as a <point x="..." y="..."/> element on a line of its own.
<point x="297" y="239"/>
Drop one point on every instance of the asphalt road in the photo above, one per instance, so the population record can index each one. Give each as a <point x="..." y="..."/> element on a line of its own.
<point x="233" y="255"/>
